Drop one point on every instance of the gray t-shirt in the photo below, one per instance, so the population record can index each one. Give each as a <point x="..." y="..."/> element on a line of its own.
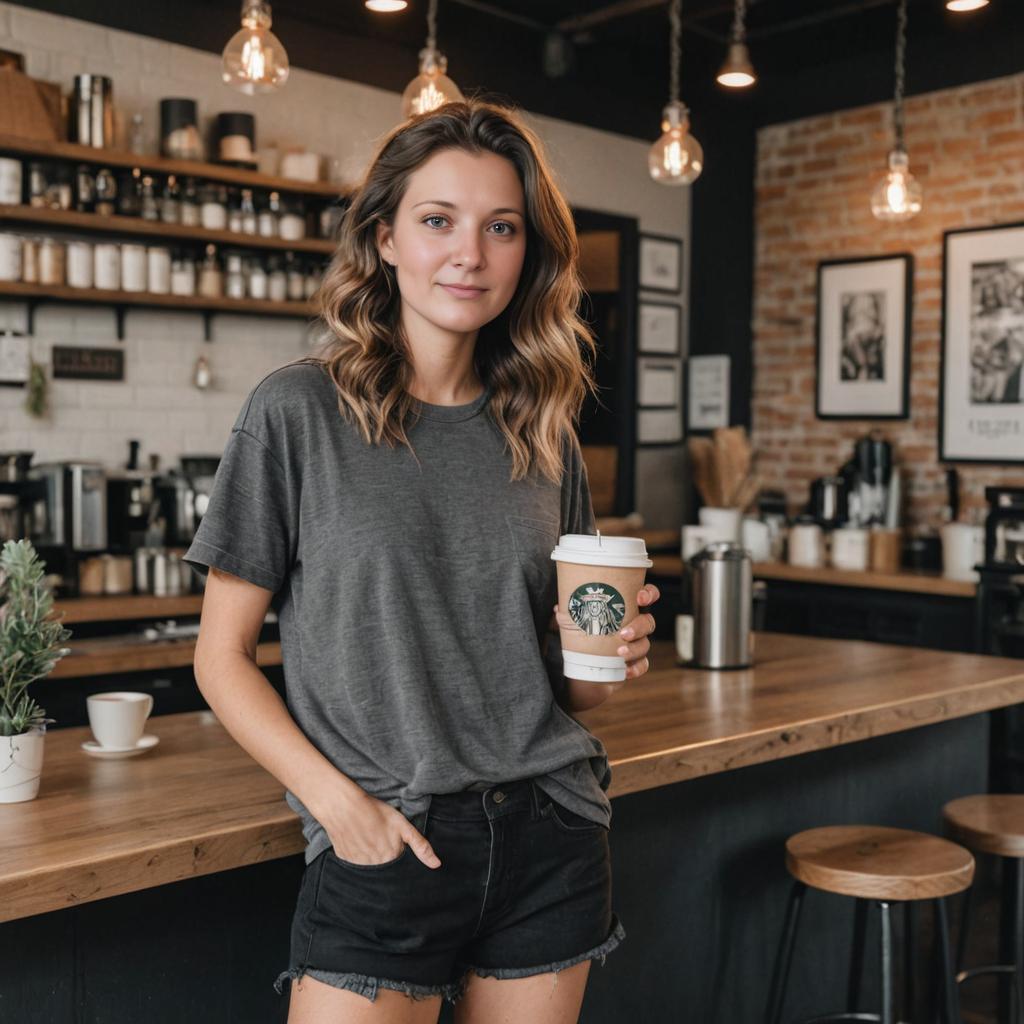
<point x="413" y="600"/>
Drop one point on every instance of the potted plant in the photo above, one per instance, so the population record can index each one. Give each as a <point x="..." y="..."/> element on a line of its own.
<point x="29" y="648"/>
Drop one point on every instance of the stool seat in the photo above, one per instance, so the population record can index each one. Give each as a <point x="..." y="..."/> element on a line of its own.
<point x="988" y="823"/>
<point x="877" y="863"/>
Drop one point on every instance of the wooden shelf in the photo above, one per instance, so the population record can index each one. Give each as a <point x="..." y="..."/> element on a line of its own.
<point x="161" y="165"/>
<point x="125" y="607"/>
<point x="101" y="296"/>
<point x="135" y="226"/>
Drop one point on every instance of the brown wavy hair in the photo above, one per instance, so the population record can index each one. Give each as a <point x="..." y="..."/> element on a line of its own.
<point x="536" y="356"/>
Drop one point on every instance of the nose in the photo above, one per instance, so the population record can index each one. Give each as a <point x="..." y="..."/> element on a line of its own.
<point x="468" y="253"/>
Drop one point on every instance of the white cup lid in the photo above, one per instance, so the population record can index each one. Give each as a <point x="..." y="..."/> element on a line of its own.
<point x="584" y="549"/>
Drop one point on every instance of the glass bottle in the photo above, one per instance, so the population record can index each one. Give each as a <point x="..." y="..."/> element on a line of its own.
<point x="85" y="189"/>
<point x="296" y="277"/>
<point x="137" y="135"/>
<point x="106" y="192"/>
<point x="149" y="206"/>
<point x="129" y="193"/>
<point x="211" y="281"/>
<point x="292" y="224"/>
<point x="248" y="212"/>
<point x="277" y="280"/>
<point x="234" y="281"/>
<point x="213" y="211"/>
<point x="256" y="279"/>
<point x="190" y="203"/>
<point x="269" y="215"/>
<point x="37" y="175"/>
<point x="183" y="273"/>
<point x="170" y="202"/>
<point x="234" y="212"/>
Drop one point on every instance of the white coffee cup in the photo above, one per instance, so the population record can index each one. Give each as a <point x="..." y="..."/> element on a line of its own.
<point x="757" y="539"/>
<point x="851" y="548"/>
<point x="805" y="545"/>
<point x="724" y="523"/>
<point x="963" y="547"/>
<point x="695" y="538"/>
<point x="118" y="718"/>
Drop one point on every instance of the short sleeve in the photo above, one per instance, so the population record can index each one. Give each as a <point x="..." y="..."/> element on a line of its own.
<point x="249" y="528"/>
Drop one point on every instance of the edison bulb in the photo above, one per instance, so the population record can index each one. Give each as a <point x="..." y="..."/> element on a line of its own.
<point x="431" y="87"/>
<point x="255" y="59"/>
<point x="676" y="158"/>
<point x="898" y="195"/>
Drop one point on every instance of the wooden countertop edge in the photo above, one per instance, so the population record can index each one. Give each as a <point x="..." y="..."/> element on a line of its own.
<point x="772" y="744"/>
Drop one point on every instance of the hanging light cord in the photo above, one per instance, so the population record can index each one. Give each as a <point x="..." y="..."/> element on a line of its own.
<point x="901" y="46"/>
<point x="738" y="21"/>
<point x="432" y="25"/>
<point x="676" y="23"/>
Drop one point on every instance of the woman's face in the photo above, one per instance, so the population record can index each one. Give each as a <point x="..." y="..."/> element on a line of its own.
<point x="461" y="222"/>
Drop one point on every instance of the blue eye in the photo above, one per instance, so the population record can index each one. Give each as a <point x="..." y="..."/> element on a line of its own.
<point x="433" y="216"/>
<point x="505" y="224"/>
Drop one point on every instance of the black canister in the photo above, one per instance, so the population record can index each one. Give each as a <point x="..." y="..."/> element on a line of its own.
<point x="235" y="138"/>
<point x="179" y="129"/>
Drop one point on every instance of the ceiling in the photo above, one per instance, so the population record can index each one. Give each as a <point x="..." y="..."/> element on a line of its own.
<point x="811" y="55"/>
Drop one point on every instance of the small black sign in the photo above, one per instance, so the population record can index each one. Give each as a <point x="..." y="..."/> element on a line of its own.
<point x="88" y="363"/>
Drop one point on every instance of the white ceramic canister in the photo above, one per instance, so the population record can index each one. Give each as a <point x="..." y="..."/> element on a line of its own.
<point x="851" y="548"/>
<point x="80" y="264"/>
<point x="106" y="265"/>
<point x="133" y="267"/>
<point x="10" y="181"/>
<point x="10" y="257"/>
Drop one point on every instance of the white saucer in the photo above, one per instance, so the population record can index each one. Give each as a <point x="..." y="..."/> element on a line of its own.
<point x="96" y="750"/>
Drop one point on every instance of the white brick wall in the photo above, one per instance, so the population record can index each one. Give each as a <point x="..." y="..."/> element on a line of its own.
<point x="157" y="403"/>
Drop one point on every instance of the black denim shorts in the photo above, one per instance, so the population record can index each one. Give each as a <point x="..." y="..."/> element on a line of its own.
<point x="524" y="888"/>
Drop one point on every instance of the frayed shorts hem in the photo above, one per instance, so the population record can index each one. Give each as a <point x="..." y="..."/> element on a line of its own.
<point x="617" y="935"/>
<point x="365" y="985"/>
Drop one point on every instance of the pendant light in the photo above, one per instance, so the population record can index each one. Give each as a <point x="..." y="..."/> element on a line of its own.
<point x="965" y="5"/>
<point x="386" y="6"/>
<point x="431" y="87"/>
<point x="254" y="59"/>
<point x="737" y="72"/>
<point x="676" y="158"/>
<point x="897" y="197"/>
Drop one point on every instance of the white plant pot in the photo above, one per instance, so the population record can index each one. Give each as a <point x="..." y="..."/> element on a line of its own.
<point x="21" y="765"/>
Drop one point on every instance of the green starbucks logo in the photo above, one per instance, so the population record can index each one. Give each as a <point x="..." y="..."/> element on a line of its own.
<point x="597" y="608"/>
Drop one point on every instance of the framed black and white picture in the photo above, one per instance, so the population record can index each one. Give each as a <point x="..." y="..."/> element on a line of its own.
<point x="981" y="393"/>
<point x="660" y="383"/>
<point x="863" y="337"/>
<point x="707" y="400"/>
<point x="661" y="263"/>
<point x="660" y="328"/>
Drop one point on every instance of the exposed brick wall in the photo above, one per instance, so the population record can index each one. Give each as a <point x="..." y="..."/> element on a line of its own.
<point x="814" y="180"/>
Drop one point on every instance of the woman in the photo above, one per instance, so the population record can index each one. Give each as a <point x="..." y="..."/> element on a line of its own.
<point x="396" y="498"/>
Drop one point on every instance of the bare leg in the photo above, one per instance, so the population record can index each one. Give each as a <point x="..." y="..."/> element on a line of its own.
<point x="315" y="1002"/>
<point x="552" y="998"/>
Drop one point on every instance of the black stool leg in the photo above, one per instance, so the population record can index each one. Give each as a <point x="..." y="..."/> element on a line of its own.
<point x="1009" y="914"/>
<point x="784" y="956"/>
<point x="860" y="936"/>
<point x="950" y="994"/>
<point x="888" y="989"/>
<point x="966" y="919"/>
<point x="1018" y="935"/>
<point x="910" y="961"/>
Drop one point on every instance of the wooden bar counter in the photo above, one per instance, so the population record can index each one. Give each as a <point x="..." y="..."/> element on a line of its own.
<point x="197" y="803"/>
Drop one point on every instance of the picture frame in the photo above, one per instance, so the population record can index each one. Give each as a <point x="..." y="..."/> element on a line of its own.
<point x="661" y="263"/>
<point x="659" y="426"/>
<point x="660" y="328"/>
<point x="707" y="392"/>
<point x="862" y="337"/>
<point x="660" y="383"/>
<point x="981" y="373"/>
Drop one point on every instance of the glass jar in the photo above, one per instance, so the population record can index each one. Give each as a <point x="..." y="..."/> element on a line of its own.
<point x="277" y="280"/>
<point x="58" y="188"/>
<point x="292" y="224"/>
<point x="158" y="269"/>
<point x="149" y="206"/>
<point x="37" y="183"/>
<point x="11" y="254"/>
<point x="248" y="212"/>
<point x="80" y="264"/>
<point x="106" y="192"/>
<point x="106" y="265"/>
<point x="256" y="279"/>
<point x="170" y="202"/>
<point x="30" y="260"/>
<point x="190" y="204"/>
<point x="51" y="262"/>
<point x="211" y="280"/>
<point x="269" y="214"/>
<point x="133" y="267"/>
<point x="213" y="210"/>
<point x="183" y="274"/>
<point x="296" y="278"/>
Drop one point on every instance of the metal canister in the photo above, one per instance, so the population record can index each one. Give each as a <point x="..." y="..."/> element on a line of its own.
<point x="722" y="591"/>
<point x="92" y="111"/>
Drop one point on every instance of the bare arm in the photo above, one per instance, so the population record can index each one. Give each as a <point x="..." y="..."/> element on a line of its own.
<point x="243" y="699"/>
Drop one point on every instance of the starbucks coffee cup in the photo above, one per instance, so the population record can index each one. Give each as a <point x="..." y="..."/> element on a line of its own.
<point x="598" y="582"/>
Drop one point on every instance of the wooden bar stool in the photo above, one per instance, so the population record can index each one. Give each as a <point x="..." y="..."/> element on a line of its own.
<point x="883" y="865"/>
<point x="994" y="824"/>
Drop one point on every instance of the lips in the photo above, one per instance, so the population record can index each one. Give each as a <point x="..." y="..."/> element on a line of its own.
<point x="463" y="291"/>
